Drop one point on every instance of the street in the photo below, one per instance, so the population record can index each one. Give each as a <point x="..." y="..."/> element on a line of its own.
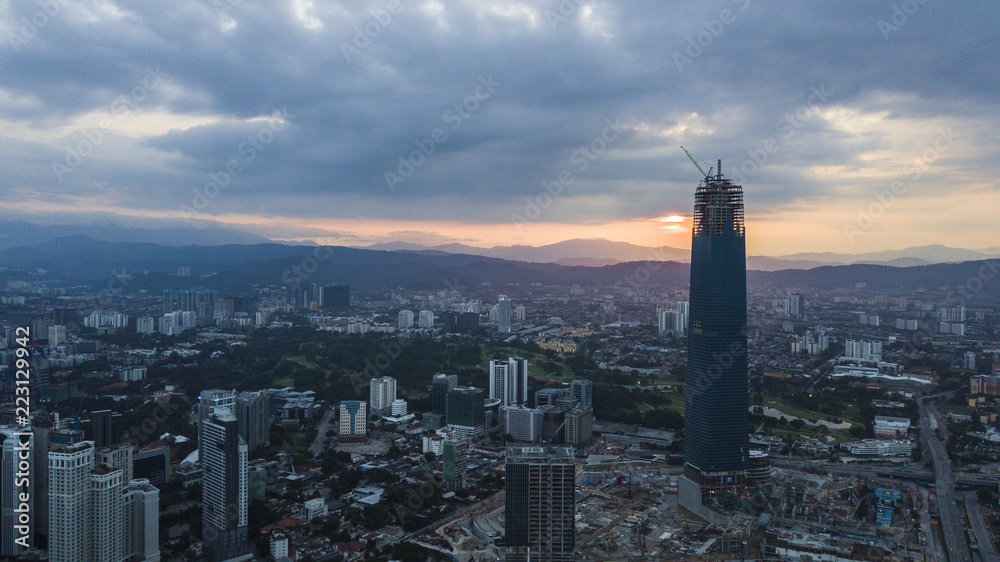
<point x="957" y="547"/>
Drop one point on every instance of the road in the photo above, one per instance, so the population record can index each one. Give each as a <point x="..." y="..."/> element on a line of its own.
<point x="324" y="425"/>
<point x="986" y="549"/>
<point x="957" y="546"/>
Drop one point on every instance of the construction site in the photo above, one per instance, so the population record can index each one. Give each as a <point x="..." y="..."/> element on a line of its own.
<point x="626" y="509"/>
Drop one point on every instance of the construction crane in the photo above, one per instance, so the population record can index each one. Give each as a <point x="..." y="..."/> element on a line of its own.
<point x="697" y="165"/>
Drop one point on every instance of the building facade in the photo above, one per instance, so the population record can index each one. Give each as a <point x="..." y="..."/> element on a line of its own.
<point x="716" y="425"/>
<point x="540" y="504"/>
<point x="225" y="501"/>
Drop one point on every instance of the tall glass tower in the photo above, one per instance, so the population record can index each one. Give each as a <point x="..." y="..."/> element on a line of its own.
<point x="716" y="421"/>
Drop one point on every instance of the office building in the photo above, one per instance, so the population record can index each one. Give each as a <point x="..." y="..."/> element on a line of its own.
<point x="105" y="428"/>
<point x="549" y="396"/>
<point x="440" y="387"/>
<point x="381" y="395"/>
<point x="509" y="381"/>
<point x="253" y="414"/>
<point x="353" y="421"/>
<point x="405" y="319"/>
<point x="17" y="472"/>
<point x="716" y="425"/>
<point x="224" y="457"/>
<point x="583" y="391"/>
<point x="208" y="402"/>
<point x="504" y="311"/>
<point x="467" y="412"/>
<point x="153" y="464"/>
<point x="425" y="319"/>
<point x="540" y="504"/>
<point x="579" y="426"/>
<point x="461" y="322"/>
<point x="141" y="523"/>
<point x="336" y="298"/>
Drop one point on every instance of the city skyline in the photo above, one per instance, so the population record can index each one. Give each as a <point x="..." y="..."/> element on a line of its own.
<point x="857" y="128"/>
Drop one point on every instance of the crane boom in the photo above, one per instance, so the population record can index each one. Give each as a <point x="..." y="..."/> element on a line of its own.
<point x="695" y="162"/>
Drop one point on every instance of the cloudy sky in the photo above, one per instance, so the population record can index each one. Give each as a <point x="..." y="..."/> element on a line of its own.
<point x="853" y="126"/>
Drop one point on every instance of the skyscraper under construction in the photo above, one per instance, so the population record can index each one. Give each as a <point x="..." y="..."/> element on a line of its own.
<point x="716" y="421"/>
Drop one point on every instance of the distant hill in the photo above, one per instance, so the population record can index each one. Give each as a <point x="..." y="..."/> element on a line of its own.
<point x="597" y="252"/>
<point x="22" y="233"/>
<point x="237" y="267"/>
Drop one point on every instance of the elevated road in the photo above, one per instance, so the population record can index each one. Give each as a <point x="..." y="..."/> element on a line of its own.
<point x="957" y="546"/>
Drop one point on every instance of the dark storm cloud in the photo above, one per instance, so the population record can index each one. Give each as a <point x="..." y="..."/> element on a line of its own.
<point x="365" y="85"/>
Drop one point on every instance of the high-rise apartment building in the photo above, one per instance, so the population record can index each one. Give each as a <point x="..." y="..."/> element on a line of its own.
<point x="381" y="395"/>
<point x="523" y="424"/>
<point x="117" y="457"/>
<point x="69" y="470"/>
<point x="504" y="311"/>
<point x="454" y="461"/>
<point x="509" y="381"/>
<point x="716" y="425"/>
<point x="141" y="522"/>
<point x="223" y="455"/>
<point x="253" y="414"/>
<point x="540" y="504"/>
<point x="105" y="535"/>
<point x="405" y="319"/>
<point x="863" y="350"/>
<point x="425" y="319"/>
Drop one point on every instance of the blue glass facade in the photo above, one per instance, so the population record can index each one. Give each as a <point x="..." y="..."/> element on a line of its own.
<point x="716" y="424"/>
